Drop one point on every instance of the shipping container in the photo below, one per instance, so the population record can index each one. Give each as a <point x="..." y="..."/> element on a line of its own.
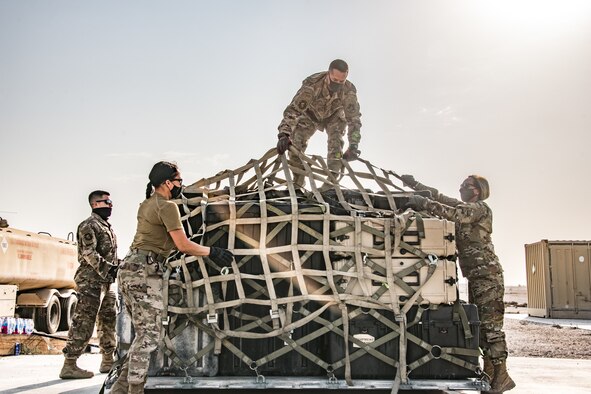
<point x="559" y="279"/>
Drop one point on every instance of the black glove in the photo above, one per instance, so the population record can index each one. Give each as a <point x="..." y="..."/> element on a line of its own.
<point x="283" y="143"/>
<point x="352" y="153"/>
<point x="416" y="202"/>
<point x="409" y="181"/>
<point x="221" y="256"/>
<point x="113" y="272"/>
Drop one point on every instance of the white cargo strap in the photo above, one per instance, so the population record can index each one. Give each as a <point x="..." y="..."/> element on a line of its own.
<point x="345" y="318"/>
<point x="313" y="288"/>
<point x="263" y="247"/>
<point x="212" y="315"/>
<point x="383" y="182"/>
<point x="389" y="246"/>
<point x="165" y="278"/>
<point x="459" y="314"/>
<point x="360" y="187"/>
<point x="360" y="258"/>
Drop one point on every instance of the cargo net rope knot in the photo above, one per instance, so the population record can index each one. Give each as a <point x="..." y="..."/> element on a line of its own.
<point x="329" y="271"/>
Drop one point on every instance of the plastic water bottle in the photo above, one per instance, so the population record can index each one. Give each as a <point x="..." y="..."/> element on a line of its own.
<point x="29" y="326"/>
<point x="11" y="327"/>
<point x="17" y="349"/>
<point x="6" y="326"/>
<point x="20" y="326"/>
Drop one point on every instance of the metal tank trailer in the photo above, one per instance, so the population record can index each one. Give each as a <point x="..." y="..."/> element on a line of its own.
<point x="40" y="269"/>
<point x="334" y="286"/>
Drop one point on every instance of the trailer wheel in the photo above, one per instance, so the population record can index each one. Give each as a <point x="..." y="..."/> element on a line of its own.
<point x="68" y="307"/>
<point x="48" y="319"/>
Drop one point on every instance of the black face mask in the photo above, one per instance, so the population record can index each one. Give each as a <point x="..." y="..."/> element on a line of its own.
<point x="104" y="212"/>
<point x="466" y="194"/>
<point x="335" y="86"/>
<point x="176" y="191"/>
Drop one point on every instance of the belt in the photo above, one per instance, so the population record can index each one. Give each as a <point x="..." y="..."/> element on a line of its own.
<point x="148" y="253"/>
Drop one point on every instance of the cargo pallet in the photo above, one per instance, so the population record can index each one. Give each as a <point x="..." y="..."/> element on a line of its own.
<point x="306" y="383"/>
<point x="325" y="277"/>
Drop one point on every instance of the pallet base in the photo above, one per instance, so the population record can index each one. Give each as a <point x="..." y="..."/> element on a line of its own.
<point x="302" y="383"/>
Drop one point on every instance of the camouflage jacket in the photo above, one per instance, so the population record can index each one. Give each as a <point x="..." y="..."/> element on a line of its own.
<point x="97" y="245"/>
<point x="473" y="233"/>
<point x="315" y="103"/>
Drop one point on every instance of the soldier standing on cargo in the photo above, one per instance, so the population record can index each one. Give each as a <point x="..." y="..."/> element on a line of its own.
<point x="159" y="231"/>
<point x="326" y="101"/>
<point x="479" y="264"/>
<point x="97" y="255"/>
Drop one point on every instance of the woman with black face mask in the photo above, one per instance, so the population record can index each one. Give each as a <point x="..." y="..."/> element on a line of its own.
<point x="479" y="264"/>
<point x="159" y="231"/>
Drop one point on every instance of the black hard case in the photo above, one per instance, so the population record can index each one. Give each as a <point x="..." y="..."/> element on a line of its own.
<point x="363" y="365"/>
<point x="440" y="327"/>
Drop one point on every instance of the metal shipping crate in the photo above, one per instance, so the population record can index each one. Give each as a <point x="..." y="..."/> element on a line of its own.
<point x="559" y="279"/>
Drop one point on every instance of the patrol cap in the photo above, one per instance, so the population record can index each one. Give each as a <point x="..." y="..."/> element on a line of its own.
<point x="482" y="184"/>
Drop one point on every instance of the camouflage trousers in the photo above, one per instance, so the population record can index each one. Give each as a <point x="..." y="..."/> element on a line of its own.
<point x="96" y="303"/>
<point x="335" y="130"/>
<point x="487" y="293"/>
<point x="142" y="295"/>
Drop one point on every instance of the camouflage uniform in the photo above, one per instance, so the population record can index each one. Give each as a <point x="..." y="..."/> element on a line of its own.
<point x="97" y="253"/>
<point x="479" y="264"/>
<point x="315" y="108"/>
<point x="140" y="283"/>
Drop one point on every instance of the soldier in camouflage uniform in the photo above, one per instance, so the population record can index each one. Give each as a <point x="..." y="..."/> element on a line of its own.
<point x="479" y="264"/>
<point x="97" y="255"/>
<point x="159" y="231"/>
<point x="326" y="101"/>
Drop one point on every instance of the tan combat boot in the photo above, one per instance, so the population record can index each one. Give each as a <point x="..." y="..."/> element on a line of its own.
<point x="501" y="381"/>
<point x="71" y="371"/>
<point x="488" y="368"/>
<point x="121" y="386"/>
<point x="136" y="388"/>
<point x="107" y="363"/>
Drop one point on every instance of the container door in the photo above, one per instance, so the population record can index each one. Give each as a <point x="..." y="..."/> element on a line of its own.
<point x="561" y="273"/>
<point x="582" y="277"/>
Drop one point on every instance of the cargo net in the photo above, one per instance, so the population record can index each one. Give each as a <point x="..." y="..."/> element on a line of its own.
<point x="329" y="279"/>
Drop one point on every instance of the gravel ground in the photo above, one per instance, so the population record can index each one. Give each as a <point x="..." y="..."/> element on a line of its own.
<point x="529" y="339"/>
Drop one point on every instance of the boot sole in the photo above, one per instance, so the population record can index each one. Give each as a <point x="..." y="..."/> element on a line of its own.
<point x="76" y="377"/>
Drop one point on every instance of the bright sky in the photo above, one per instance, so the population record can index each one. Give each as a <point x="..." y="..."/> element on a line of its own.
<point x="93" y="93"/>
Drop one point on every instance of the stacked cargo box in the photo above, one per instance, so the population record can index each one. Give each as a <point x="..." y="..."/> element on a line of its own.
<point x="327" y="280"/>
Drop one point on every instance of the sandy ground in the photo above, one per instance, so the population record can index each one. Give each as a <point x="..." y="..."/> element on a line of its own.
<point x="532" y="339"/>
<point x="529" y="339"/>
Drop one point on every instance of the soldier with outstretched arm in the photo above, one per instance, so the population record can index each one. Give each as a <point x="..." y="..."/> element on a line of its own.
<point x="159" y="231"/>
<point x="479" y="264"/>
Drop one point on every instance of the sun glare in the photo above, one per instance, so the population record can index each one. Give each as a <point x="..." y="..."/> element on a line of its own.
<point x="541" y="17"/>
